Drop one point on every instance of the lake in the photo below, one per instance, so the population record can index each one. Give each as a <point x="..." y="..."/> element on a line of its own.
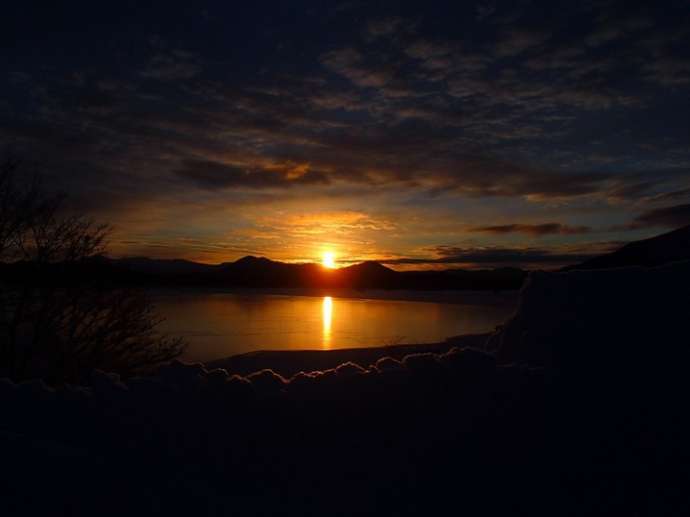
<point x="219" y="324"/>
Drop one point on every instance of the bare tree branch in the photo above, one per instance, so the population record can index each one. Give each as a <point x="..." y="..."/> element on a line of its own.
<point x="62" y="333"/>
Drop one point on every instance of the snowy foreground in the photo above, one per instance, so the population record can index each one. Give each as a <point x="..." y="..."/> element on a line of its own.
<point x="579" y="409"/>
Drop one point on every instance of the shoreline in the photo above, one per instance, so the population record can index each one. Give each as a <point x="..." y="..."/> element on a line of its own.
<point x="289" y="362"/>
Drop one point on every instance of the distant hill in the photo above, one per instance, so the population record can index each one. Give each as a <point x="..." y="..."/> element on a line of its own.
<point x="259" y="272"/>
<point x="663" y="249"/>
<point x="262" y="272"/>
<point x="168" y="266"/>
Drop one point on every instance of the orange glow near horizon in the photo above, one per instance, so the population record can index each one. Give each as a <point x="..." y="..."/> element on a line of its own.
<point x="328" y="259"/>
<point x="327" y="317"/>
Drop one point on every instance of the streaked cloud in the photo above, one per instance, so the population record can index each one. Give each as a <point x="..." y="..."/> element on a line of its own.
<point x="536" y="230"/>
<point x="668" y="217"/>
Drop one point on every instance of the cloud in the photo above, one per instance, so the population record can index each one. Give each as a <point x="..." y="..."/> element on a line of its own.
<point x="424" y="49"/>
<point x="213" y="175"/>
<point x="495" y="178"/>
<point x="631" y="190"/>
<point x="502" y="256"/>
<point x="672" y="195"/>
<point x="326" y="223"/>
<point x="668" y="71"/>
<point x="534" y="229"/>
<point x="171" y="66"/>
<point x="669" y="217"/>
<point x="484" y="10"/>
<point x="603" y="35"/>
<point x="517" y="41"/>
<point x="349" y="63"/>
<point x="611" y="30"/>
<point x="384" y="27"/>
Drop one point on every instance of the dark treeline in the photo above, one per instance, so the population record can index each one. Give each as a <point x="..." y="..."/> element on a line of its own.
<point x="260" y="272"/>
<point x="253" y="272"/>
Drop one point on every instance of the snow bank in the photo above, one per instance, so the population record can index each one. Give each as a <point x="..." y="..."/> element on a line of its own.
<point x="570" y="319"/>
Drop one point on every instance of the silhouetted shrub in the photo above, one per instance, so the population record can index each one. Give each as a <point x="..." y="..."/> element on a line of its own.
<point x="54" y="324"/>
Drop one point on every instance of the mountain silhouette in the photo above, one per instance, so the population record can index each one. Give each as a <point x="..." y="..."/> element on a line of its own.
<point x="254" y="272"/>
<point x="166" y="266"/>
<point x="261" y="272"/>
<point x="663" y="249"/>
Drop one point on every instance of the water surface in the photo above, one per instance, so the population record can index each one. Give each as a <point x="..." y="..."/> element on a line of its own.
<point x="220" y="324"/>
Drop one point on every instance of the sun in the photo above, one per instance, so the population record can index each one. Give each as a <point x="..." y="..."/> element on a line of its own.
<point x="328" y="259"/>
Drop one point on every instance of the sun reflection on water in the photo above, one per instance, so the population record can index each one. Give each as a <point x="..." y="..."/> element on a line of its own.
<point x="327" y="316"/>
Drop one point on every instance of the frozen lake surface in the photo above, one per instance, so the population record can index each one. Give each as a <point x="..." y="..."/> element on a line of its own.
<point x="218" y="324"/>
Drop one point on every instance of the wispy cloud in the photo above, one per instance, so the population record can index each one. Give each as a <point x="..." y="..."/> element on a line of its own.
<point x="668" y="217"/>
<point x="536" y="230"/>
<point x="495" y="256"/>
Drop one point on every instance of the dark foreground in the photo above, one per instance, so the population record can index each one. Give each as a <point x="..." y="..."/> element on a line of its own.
<point x="580" y="410"/>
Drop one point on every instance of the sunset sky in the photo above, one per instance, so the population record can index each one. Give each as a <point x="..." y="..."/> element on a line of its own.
<point x="421" y="134"/>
